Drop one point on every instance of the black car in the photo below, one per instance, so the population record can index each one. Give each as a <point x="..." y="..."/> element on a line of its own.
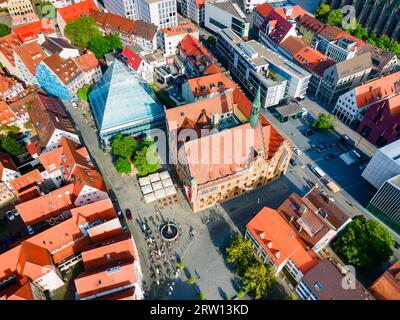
<point x="322" y="147"/>
<point x="293" y="162"/>
<point x="128" y="214"/>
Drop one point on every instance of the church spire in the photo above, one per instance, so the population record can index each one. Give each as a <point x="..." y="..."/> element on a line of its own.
<point x="255" y="110"/>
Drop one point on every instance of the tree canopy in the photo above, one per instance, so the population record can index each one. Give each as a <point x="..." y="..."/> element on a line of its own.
<point x="10" y="144"/>
<point x="4" y="30"/>
<point x="146" y="159"/>
<point x="240" y="253"/>
<point x="82" y="31"/>
<point x="101" y="45"/>
<point x="335" y="18"/>
<point x="325" y="121"/>
<point x="365" y="243"/>
<point x="83" y="93"/>
<point x="322" y="12"/>
<point x="123" y="165"/>
<point x="123" y="147"/>
<point x="258" y="278"/>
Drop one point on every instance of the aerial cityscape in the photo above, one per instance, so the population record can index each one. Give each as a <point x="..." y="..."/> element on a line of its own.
<point x="199" y="150"/>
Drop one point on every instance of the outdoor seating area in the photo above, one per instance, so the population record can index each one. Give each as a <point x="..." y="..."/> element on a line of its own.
<point x="158" y="187"/>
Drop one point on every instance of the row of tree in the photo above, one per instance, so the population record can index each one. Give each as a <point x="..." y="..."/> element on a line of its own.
<point x="257" y="277"/>
<point x="325" y="14"/>
<point x="84" y="33"/>
<point x="143" y="155"/>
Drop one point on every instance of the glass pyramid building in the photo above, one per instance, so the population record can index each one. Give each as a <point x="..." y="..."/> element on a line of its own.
<point x="123" y="103"/>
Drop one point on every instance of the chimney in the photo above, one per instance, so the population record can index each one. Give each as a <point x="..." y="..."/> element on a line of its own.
<point x="215" y="120"/>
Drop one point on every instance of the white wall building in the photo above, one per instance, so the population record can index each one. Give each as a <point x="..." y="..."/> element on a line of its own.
<point x="255" y="65"/>
<point x="384" y="165"/>
<point x="162" y="13"/>
<point x="169" y="38"/>
<point x="124" y="8"/>
<point x="222" y="15"/>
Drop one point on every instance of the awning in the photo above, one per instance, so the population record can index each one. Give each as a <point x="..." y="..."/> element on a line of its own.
<point x="170" y="191"/>
<point x="147" y="189"/>
<point x="167" y="182"/>
<point x="144" y="181"/>
<point x="160" y="194"/>
<point x="149" y="198"/>
<point x="157" y="185"/>
<point x="154" y="177"/>
<point x="164" y="175"/>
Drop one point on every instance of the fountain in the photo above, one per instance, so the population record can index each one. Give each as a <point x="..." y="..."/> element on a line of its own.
<point x="169" y="231"/>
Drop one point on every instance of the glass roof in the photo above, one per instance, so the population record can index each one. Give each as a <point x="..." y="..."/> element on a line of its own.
<point x="121" y="97"/>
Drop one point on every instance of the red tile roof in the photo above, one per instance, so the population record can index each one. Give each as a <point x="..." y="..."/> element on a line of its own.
<point x="87" y="61"/>
<point x="6" y="115"/>
<point x="96" y="282"/>
<point x="25" y="185"/>
<point x="105" y="230"/>
<point x="31" y="31"/>
<point x="280" y="241"/>
<point x="376" y="90"/>
<point x="75" y="11"/>
<point x="133" y="59"/>
<point x="180" y="29"/>
<point x="92" y="212"/>
<point x="7" y="46"/>
<point x="82" y="177"/>
<point x="6" y="163"/>
<point x="31" y="54"/>
<point x="47" y="206"/>
<point x="213" y="83"/>
<point x="387" y="287"/>
<point x="109" y="252"/>
<point x="7" y="84"/>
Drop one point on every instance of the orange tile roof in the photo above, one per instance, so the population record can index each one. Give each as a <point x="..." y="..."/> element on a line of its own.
<point x="387" y="287"/>
<point x="31" y="31"/>
<point x="68" y="155"/>
<point x="211" y="84"/>
<point x="180" y="29"/>
<point x="65" y="69"/>
<point x="82" y="177"/>
<point x="6" y="84"/>
<point x="105" y="230"/>
<point x="95" y="282"/>
<point x="296" y="12"/>
<point x="87" y="61"/>
<point x="61" y="240"/>
<point x="123" y="295"/>
<point x="311" y="23"/>
<point x="47" y="206"/>
<point x="26" y="181"/>
<point x="31" y="54"/>
<point x="376" y="90"/>
<point x="6" y="114"/>
<point x="99" y="210"/>
<point x="7" y="46"/>
<point x="308" y="57"/>
<point x="23" y="293"/>
<point x="75" y="11"/>
<point x="394" y="105"/>
<point x="280" y="241"/>
<point x="109" y="252"/>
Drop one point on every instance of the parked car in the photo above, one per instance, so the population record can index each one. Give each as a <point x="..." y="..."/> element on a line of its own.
<point x="128" y="213"/>
<point x="293" y="162"/>
<point x="10" y="216"/>
<point x="322" y="147"/>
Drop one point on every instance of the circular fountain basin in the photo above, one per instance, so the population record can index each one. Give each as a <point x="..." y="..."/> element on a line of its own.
<point x="169" y="232"/>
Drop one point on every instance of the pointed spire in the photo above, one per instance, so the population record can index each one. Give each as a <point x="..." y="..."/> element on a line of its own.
<point x="255" y="110"/>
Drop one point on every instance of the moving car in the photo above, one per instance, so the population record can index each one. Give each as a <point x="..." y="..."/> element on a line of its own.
<point x="30" y="230"/>
<point x="293" y="162"/>
<point x="128" y="213"/>
<point x="10" y="216"/>
<point x="322" y="147"/>
<point x="297" y="151"/>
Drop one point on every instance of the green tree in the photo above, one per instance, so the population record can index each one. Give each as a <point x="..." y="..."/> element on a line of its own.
<point x="241" y="293"/>
<point x="114" y="42"/>
<point x="383" y="42"/>
<point x="99" y="46"/>
<point x="10" y="145"/>
<point x="82" y="31"/>
<point x="325" y="121"/>
<point x="4" y="30"/>
<point x="83" y="93"/>
<point x="240" y="253"/>
<point x="365" y="243"/>
<point x="123" y="165"/>
<point x="335" y="17"/>
<point x="202" y="296"/>
<point x="123" y="147"/>
<point x="10" y="130"/>
<point x="48" y="10"/>
<point x="191" y="280"/>
<point x="322" y="12"/>
<point x="146" y="160"/>
<point x="258" y="278"/>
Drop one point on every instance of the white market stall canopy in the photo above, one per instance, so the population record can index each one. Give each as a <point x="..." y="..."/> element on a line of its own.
<point x="147" y="189"/>
<point x="144" y="181"/>
<point x="149" y="197"/>
<point x="157" y="186"/>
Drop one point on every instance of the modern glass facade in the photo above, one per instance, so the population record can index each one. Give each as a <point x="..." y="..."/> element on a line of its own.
<point x="123" y="103"/>
<point x="51" y="83"/>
